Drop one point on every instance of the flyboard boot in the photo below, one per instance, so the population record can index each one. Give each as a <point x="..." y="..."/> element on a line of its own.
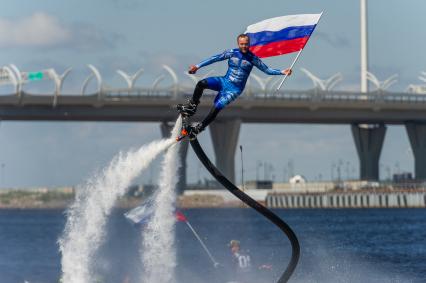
<point x="188" y="130"/>
<point x="187" y="109"/>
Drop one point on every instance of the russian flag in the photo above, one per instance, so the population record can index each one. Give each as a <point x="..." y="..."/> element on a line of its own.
<point x="180" y="216"/>
<point x="142" y="214"/>
<point x="281" y="35"/>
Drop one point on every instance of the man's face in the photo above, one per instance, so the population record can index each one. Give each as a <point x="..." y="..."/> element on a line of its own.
<point x="235" y="249"/>
<point x="243" y="44"/>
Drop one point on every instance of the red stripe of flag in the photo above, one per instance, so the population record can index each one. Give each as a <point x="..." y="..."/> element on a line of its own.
<point x="279" y="47"/>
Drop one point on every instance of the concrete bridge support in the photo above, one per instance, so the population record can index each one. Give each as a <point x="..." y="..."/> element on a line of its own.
<point x="417" y="135"/>
<point x="166" y="128"/>
<point x="225" y="138"/>
<point x="369" y="141"/>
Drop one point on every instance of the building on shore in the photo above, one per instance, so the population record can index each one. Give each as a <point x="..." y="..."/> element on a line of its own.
<point x="344" y="194"/>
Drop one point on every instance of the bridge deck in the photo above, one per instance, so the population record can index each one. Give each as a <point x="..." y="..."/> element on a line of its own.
<point x="286" y="107"/>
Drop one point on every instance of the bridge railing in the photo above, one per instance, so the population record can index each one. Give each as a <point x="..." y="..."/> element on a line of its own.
<point x="179" y="92"/>
<point x="291" y="95"/>
<point x="257" y="88"/>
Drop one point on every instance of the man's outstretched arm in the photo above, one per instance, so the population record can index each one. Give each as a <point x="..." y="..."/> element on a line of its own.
<point x="216" y="58"/>
<point x="262" y="66"/>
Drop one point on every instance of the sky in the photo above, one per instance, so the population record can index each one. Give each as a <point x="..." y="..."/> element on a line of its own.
<point x="128" y="35"/>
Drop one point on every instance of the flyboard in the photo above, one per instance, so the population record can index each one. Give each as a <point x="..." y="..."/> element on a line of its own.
<point x="284" y="227"/>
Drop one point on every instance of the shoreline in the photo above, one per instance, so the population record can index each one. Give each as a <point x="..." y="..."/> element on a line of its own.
<point x="61" y="200"/>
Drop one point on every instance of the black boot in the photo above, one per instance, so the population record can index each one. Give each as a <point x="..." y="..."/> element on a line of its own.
<point x="194" y="130"/>
<point x="188" y="109"/>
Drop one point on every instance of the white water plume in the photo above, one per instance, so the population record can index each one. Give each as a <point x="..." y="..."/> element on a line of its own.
<point x="86" y="218"/>
<point x="159" y="254"/>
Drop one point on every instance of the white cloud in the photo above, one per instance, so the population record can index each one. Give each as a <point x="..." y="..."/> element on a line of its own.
<point x="38" y="30"/>
<point x="41" y="30"/>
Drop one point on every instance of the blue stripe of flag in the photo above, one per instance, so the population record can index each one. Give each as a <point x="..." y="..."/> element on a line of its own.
<point x="264" y="37"/>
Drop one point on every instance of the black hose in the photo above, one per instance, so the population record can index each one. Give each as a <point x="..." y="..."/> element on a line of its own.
<point x="257" y="206"/>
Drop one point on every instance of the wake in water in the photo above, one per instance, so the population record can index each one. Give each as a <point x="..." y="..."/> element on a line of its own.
<point x="158" y="253"/>
<point x="86" y="218"/>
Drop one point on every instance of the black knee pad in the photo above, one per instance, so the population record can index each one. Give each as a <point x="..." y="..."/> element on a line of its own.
<point x="202" y="84"/>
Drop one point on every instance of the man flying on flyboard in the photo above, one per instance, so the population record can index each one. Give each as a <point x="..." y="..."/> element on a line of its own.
<point x="240" y="63"/>
<point x="270" y="37"/>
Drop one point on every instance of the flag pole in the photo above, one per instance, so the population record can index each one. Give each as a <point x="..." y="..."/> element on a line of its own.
<point x="215" y="263"/>
<point x="291" y="67"/>
<point x="295" y="59"/>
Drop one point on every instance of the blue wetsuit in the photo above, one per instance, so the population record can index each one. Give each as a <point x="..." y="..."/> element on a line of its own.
<point x="232" y="84"/>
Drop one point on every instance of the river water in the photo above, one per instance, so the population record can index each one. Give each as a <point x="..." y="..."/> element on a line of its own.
<point x="368" y="245"/>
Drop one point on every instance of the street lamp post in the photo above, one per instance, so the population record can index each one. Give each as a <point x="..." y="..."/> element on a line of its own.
<point x="242" y="168"/>
<point x="364" y="46"/>
<point x="258" y="164"/>
<point x="265" y="169"/>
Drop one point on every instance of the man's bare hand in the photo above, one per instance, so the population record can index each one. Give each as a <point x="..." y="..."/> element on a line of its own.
<point x="192" y="69"/>
<point x="287" y="72"/>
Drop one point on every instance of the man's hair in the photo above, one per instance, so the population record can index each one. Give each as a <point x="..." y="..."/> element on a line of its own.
<point x="243" y="35"/>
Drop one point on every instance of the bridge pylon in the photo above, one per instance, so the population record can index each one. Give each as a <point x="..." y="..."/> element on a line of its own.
<point x="417" y="135"/>
<point x="224" y="134"/>
<point x="369" y="142"/>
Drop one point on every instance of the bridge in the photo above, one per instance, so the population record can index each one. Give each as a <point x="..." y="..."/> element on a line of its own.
<point x="366" y="113"/>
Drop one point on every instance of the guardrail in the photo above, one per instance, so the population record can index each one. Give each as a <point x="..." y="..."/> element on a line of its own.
<point x="309" y="95"/>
